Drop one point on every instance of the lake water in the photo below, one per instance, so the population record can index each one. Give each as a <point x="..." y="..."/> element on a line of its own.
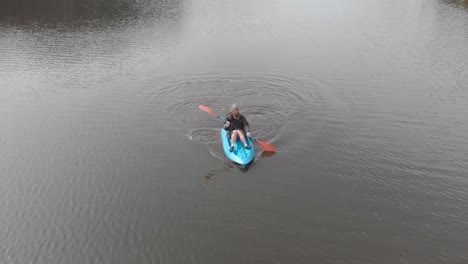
<point x="105" y="157"/>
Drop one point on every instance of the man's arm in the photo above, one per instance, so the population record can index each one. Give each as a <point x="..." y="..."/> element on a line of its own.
<point x="228" y="122"/>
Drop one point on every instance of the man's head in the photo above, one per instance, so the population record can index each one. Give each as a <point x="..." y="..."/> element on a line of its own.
<point x="234" y="109"/>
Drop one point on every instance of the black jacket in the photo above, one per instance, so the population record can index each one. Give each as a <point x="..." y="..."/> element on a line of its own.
<point x="237" y="123"/>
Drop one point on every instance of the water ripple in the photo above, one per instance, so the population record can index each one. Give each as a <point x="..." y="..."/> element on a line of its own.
<point x="268" y="101"/>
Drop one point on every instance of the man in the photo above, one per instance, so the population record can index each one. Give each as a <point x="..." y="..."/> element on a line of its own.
<point x="237" y="126"/>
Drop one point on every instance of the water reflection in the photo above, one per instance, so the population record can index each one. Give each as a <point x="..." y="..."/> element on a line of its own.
<point x="463" y="3"/>
<point x="77" y="10"/>
<point x="267" y="154"/>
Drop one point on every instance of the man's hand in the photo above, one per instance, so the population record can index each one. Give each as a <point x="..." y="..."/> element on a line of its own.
<point x="248" y="134"/>
<point x="227" y="124"/>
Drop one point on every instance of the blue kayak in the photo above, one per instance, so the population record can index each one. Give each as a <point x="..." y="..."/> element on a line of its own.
<point x="239" y="155"/>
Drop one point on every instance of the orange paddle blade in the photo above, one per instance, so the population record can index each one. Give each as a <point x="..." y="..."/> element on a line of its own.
<point x="266" y="146"/>
<point x="208" y="110"/>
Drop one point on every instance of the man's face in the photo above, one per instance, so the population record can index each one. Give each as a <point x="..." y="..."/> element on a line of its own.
<point x="235" y="111"/>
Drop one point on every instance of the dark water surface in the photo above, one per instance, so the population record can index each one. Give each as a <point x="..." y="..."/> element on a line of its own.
<point x="105" y="157"/>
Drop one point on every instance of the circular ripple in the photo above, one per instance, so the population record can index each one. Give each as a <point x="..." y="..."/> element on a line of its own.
<point x="266" y="101"/>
